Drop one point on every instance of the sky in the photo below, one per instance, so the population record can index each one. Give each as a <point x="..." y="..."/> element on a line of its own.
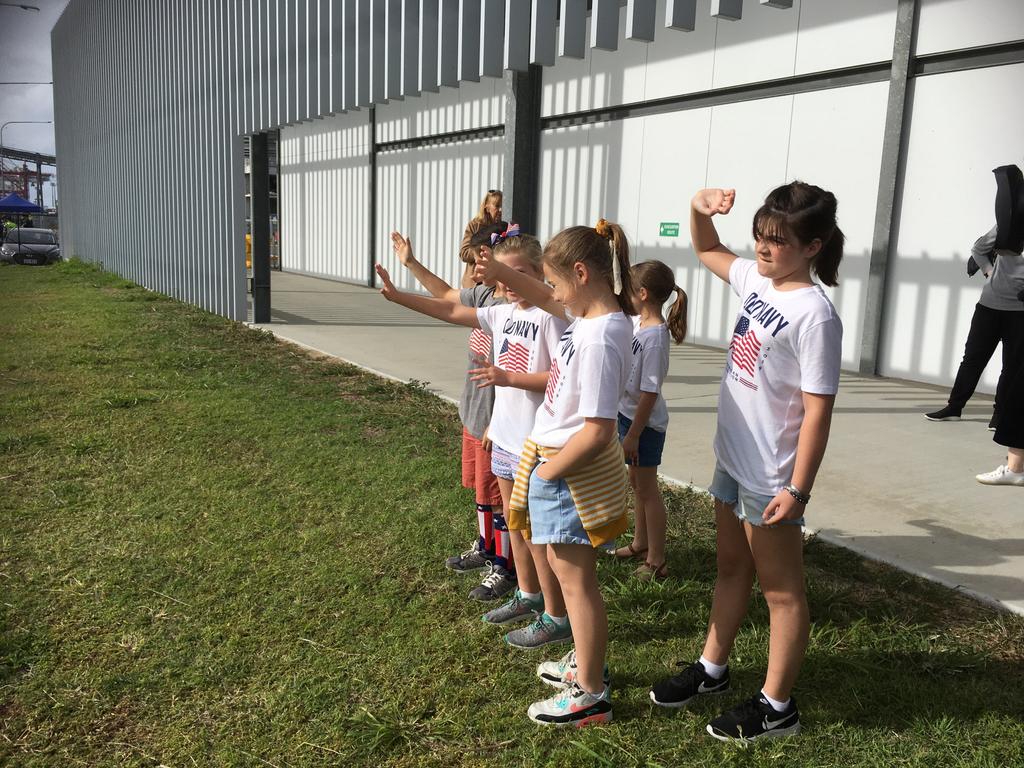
<point x="25" y="55"/>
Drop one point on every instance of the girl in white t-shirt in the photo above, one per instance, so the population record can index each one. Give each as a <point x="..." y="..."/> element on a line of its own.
<point x="570" y="489"/>
<point x="524" y="338"/>
<point x="643" y="415"/>
<point x="774" y="413"/>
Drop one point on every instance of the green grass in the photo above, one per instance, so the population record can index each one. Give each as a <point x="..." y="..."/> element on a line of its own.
<point x="216" y="549"/>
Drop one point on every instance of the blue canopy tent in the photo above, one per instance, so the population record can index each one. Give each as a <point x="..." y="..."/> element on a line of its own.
<point x="17" y="204"/>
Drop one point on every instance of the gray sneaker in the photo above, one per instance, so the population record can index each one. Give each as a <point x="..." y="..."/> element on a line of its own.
<point x="496" y="584"/>
<point x="541" y="632"/>
<point x="473" y="559"/>
<point x="516" y="609"/>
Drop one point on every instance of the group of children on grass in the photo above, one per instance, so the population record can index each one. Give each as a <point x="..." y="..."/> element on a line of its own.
<point x="567" y="357"/>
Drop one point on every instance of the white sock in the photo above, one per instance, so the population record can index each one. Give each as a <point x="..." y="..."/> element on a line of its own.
<point x="560" y="621"/>
<point x="778" y="706"/>
<point x="714" y="670"/>
<point x="532" y="596"/>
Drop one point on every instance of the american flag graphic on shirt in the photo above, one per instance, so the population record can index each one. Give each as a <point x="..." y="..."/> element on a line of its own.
<point x="745" y="346"/>
<point x="514" y="357"/>
<point x="480" y="344"/>
<point x="549" y="391"/>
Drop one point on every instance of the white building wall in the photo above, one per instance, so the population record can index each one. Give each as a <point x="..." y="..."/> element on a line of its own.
<point x="947" y="25"/>
<point x="324" y="195"/>
<point x="430" y="194"/>
<point x="641" y="172"/>
<point x="769" y="43"/>
<point x="947" y="203"/>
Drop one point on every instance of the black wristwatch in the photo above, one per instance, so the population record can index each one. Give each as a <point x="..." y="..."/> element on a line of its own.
<point x="797" y="494"/>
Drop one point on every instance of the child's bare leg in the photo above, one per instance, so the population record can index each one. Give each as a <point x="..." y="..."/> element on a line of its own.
<point x="778" y="553"/>
<point x="526" y="573"/>
<point x="732" y="585"/>
<point x="639" y="542"/>
<point x="648" y="495"/>
<point x="554" y="602"/>
<point x="576" y="568"/>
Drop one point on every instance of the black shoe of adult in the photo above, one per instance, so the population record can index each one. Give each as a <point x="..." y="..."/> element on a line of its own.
<point x="693" y="681"/>
<point x="755" y="719"/>
<point x="949" y="413"/>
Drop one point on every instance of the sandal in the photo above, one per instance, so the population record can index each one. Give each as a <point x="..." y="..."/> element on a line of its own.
<point x="648" y="572"/>
<point x="628" y="553"/>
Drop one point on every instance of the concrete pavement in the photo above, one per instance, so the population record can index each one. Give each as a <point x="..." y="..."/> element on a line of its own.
<point x="894" y="486"/>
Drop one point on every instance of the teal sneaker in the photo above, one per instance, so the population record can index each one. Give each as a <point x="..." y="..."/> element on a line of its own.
<point x="541" y="632"/>
<point x="516" y="609"/>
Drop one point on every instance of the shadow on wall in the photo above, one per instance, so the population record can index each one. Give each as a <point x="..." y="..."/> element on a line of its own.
<point x="431" y="193"/>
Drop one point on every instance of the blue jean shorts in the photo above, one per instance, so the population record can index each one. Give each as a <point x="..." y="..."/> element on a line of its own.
<point x="747" y="505"/>
<point x="553" y="515"/>
<point x="652" y="443"/>
<point x="503" y="463"/>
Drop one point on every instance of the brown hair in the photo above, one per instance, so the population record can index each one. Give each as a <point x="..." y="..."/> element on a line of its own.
<point x="526" y="246"/>
<point x="593" y="246"/>
<point x="481" y="214"/>
<point x="808" y="213"/>
<point x="660" y="282"/>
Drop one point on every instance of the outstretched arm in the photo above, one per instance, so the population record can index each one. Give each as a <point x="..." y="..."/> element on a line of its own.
<point x="535" y="291"/>
<point x="709" y="248"/>
<point x="490" y="375"/>
<point x="437" y="287"/>
<point x="439" y="308"/>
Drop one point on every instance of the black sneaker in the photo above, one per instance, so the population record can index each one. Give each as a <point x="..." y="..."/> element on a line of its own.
<point x="495" y="585"/>
<point x="949" y="413"/>
<point x="693" y="681"/>
<point x="473" y="559"/>
<point x="755" y="719"/>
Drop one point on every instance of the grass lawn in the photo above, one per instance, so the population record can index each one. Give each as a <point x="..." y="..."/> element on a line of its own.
<point x="216" y="549"/>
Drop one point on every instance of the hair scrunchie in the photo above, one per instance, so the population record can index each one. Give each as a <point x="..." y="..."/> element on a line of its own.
<point x="512" y="230"/>
<point x="604" y="229"/>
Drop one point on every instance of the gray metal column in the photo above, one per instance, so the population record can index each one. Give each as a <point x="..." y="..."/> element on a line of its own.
<point x="890" y="179"/>
<point x="522" y="147"/>
<point x="260" y="196"/>
<point x="371" y="277"/>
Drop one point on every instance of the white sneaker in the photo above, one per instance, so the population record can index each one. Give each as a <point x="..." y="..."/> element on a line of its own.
<point x="573" y="706"/>
<point x="562" y="673"/>
<point x="1001" y="476"/>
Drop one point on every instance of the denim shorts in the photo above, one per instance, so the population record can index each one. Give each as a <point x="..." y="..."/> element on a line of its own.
<point x="747" y="505"/>
<point x="503" y="463"/>
<point x="652" y="443"/>
<point x="553" y="515"/>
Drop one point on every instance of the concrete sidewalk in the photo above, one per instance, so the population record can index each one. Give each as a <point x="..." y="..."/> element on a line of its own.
<point x="894" y="486"/>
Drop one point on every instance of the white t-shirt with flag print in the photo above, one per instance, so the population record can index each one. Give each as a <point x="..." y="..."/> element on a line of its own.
<point x="648" y="372"/>
<point x="524" y="342"/>
<point x="784" y="343"/>
<point x="588" y="376"/>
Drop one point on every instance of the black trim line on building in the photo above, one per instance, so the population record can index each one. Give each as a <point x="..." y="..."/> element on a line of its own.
<point x="970" y="58"/>
<point x="452" y="137"/>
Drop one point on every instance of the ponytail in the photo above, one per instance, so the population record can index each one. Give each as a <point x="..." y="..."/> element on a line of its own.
<point x="660" y="282"/>
<point x="826" y="263"/>
<point x="676" y="320"/>
<point x="808" y="213"/>
<point x="604" y="249"/>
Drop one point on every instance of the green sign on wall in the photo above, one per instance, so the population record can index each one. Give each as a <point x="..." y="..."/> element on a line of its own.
<point x="669" y="229"/>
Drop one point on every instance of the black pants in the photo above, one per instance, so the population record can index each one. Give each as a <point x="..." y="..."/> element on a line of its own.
<point x="988" y="328"/>
<point x="1010" y="394"/>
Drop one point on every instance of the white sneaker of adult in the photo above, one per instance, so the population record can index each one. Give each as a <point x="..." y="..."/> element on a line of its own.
<point x="1001" y="476"/>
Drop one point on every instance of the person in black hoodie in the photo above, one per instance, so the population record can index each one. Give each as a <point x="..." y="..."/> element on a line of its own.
<point x="1007" y="281"/>
<point x="999" y="314"/>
